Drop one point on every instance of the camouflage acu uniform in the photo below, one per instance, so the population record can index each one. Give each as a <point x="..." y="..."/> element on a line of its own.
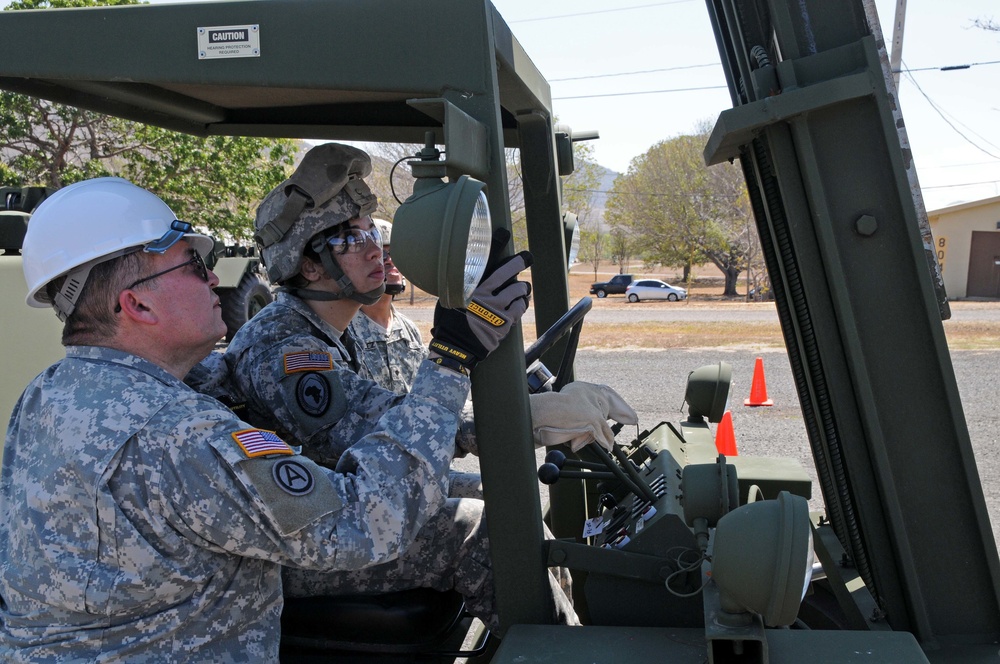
<point x="303" y="378"/>
<point x="391" y="358"/>
<point x="392" y="355"/>
<point x="142" y="521"/>
<point x="297" y="375"/>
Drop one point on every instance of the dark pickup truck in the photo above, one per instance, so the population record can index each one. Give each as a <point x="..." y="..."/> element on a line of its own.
<point x="616" y="286"/>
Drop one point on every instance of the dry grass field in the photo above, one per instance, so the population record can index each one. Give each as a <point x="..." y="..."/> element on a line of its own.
<point x="707" y="293"/>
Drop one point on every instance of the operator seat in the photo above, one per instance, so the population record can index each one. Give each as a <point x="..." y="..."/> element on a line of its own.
<point x="389" y="627"/>
<point x="13" y="226"/>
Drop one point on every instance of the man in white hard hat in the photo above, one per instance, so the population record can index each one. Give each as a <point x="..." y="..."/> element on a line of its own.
<point x="143" y="521"/>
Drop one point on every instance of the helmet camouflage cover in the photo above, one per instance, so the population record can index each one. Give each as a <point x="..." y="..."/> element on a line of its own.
<point x="325" y="190"/>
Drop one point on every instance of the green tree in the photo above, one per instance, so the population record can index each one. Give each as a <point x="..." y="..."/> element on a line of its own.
<point x="214" y="182"/>
<point x="684" y="212"/>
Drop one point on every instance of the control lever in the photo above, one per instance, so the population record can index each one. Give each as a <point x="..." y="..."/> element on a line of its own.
<point x="558" y="458"/>
<point x="631" y="479"/>
<point x="550" y="473"/>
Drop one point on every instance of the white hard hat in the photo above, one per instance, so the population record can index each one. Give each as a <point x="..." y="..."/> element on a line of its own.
<point x="385" y="230"/>
<point x="90" y="222"/>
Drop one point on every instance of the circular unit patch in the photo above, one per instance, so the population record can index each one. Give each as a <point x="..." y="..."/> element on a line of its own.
<point x="293" y="477"/>
<point x="313" y="394"/>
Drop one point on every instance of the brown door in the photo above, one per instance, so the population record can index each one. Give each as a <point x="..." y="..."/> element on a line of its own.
<point x="984" y="265"/>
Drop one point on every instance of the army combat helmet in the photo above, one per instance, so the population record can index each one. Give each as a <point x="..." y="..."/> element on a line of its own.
<point x="90" y="222"/>
<point x="325" y="191"/>
<point x="385" y="229"/>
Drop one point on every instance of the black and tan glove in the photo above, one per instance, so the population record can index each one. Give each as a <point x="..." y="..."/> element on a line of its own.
<point x="467" y="336"/>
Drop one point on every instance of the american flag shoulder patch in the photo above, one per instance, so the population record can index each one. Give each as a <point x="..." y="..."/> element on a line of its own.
<point x="260" y="442"/>
<point x="308" y="361"/>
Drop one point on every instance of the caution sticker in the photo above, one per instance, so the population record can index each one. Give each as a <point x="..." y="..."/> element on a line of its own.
<point x="229" y="41"/>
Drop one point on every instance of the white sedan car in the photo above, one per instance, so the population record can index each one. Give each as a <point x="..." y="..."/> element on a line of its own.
<point x="654" y="289"/>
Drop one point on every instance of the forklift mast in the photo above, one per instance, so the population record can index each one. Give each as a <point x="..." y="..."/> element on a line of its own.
<point x="817" y="128"/>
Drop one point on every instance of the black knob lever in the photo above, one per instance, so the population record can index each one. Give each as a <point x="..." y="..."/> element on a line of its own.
<point x="562" y="461"/>
<point x="550" y="473"/>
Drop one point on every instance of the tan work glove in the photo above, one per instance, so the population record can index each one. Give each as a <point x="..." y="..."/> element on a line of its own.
<point x="578" y="415"/>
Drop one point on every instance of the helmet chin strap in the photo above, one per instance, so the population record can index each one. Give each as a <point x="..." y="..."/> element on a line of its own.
<point x="347" y="290"/>
<point x="393" y="289"/>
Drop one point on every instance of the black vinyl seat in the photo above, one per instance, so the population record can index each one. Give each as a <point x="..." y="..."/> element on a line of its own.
<point x="413" y="622"/>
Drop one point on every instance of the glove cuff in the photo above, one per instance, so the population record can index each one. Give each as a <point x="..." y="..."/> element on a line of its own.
<point x="448" y="351"/>
<point x="451" y="363"/>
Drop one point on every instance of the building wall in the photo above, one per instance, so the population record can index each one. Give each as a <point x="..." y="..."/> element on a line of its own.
<point x="952" y="229"/>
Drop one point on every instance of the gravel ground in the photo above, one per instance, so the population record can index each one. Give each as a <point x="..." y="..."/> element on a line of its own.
<point x="653" y="383"/>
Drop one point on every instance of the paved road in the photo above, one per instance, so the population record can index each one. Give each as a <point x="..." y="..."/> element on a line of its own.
<point x="617" y="310"/>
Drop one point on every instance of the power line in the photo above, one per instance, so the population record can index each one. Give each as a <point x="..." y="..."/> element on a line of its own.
<point x="599" y="11"/>
<point x="974" y="163"/>
<point x="642" y="92"/>
<point x="716" y="87"/>
<point x="953" y="67"/>
<point x="967" y="184"/>
<point x="949" y="122"/>
<point x="632" y="73"/>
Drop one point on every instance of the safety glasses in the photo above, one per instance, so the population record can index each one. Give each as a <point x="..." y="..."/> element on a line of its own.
<point x="196" y="260"/>
<point x="354" y="240"/>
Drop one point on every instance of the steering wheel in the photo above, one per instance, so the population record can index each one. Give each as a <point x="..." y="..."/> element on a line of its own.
<point x="570" y="322"/>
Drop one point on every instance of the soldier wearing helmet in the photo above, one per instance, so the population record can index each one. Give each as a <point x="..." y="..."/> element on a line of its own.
<point x="390" y="341"/>
<point x="139" y="517"/>
<point x="393" y="349"/>
<point x="299" y="370"/>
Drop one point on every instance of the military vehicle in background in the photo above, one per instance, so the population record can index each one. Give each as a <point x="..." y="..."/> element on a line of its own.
<point x="688" y="555"/>
<point x="243" y="286"/>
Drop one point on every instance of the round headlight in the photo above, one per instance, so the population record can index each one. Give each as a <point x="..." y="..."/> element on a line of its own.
<point x="478" y="246"/>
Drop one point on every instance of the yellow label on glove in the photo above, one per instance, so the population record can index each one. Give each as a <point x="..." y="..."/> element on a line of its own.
<point x="485" y="314"/>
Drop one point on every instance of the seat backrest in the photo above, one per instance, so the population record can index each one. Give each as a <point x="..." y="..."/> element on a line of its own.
<point x="32" y="196"/>
<point x="13" y="226"/>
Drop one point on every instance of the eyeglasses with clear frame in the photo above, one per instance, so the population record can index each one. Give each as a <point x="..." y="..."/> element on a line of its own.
<point x="196" y="260"/>
<point x="354" y="240"/>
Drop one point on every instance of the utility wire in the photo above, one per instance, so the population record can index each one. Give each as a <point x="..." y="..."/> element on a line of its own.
<point x="974" y="163"/>
<point x="718" y="87"/>
<point x="967" y="184"/>
<point x="952" y="67"/>
<point x="642" y="92"/>
<point x="949" y="122"/>
<point x="632" y="73"/>
<point x="599" y="11"/>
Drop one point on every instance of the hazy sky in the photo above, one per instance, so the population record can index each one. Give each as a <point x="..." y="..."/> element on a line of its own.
<point x="672" y="40"/>
<point x="640" y="71"/>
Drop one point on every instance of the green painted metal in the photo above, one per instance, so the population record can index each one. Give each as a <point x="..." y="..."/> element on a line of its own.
<point x="816" y="132"/>
<point x="832" y="189"/>
<point x="141" y="62"/>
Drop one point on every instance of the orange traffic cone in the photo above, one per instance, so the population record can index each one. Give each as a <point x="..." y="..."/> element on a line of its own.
<point x="725" y="437"/>
<point x="758" y="389"/>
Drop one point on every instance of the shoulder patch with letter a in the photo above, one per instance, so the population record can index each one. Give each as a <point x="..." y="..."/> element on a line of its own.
<point x="293" y="477"/>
